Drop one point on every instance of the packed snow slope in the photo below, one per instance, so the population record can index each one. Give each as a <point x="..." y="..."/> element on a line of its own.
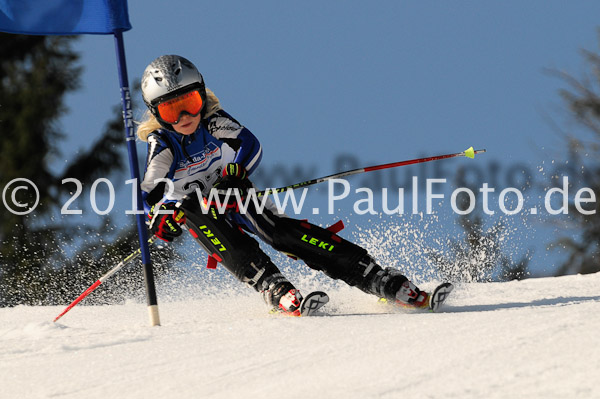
<point x="535" y="338"/>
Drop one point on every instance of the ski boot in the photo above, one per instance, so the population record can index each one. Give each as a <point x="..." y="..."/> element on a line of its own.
<point x="281" y="296"/>
<point x="289" y="304"/>
<point x="394" y="288"/>
<point x="409" y="296"/>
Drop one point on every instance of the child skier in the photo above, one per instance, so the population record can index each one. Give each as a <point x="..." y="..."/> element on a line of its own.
<point x="195" y="144"/>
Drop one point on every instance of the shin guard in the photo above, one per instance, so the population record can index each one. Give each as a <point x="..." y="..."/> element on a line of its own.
<point x="239" y="253"/>
<point x="320" y="249"/>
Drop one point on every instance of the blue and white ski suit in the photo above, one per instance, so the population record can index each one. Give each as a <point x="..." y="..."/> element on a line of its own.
<point x="197" y="160"/>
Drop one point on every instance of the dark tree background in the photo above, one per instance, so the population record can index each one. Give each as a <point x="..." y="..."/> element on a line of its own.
<point x="582" y="98"/>
<point x="36" y="264"/>
<point x="45" y="260"/>
<point x="481" y="255"/>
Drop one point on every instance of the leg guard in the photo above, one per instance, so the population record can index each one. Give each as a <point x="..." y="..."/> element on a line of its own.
<point x="336" y="257"/>
<point x="239" y="253"/>
<point x="321" y="250"/>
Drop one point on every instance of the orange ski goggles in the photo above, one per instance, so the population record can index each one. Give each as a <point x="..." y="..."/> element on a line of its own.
<point x="170" y="110"/>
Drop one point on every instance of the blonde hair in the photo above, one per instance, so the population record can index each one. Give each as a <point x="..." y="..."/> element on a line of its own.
<point x="150" y="124"/>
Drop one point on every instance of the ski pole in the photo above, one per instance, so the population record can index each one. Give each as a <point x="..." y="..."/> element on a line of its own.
<point x="102" y="279"/>
<point x="469" y="153"/>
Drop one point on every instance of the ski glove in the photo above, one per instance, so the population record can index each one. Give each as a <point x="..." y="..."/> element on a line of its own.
<point x="234" y="177"/>
<point x="165" y="225"/>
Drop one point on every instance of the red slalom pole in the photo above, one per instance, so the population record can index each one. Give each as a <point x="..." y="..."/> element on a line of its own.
<point x="469" y="153"/>
<point x="102" y="279"/>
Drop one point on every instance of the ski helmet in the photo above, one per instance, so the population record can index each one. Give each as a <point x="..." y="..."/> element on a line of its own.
<point x="167" y="77"/>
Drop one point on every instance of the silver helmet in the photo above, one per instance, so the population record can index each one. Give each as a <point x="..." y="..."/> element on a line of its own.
<point x="169" y="76"/>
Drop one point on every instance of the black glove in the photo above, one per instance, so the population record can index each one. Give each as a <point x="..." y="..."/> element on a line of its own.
<point x="234" y="177"/>
<point x="165" y="225"/>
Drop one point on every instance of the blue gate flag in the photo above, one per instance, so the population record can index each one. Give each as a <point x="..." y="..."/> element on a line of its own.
<point x="63" y="17"/>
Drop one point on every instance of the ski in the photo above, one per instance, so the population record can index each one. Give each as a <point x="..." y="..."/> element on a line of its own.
<point x="435" y="301"/>
<point x="313" y="302"/>
<point x="439" y="296"/>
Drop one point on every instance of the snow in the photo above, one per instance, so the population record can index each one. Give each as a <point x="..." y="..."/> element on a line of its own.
<point x="534" y="338"/>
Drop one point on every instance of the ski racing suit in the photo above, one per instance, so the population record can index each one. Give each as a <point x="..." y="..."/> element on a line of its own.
<point x="196" y="161"/>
